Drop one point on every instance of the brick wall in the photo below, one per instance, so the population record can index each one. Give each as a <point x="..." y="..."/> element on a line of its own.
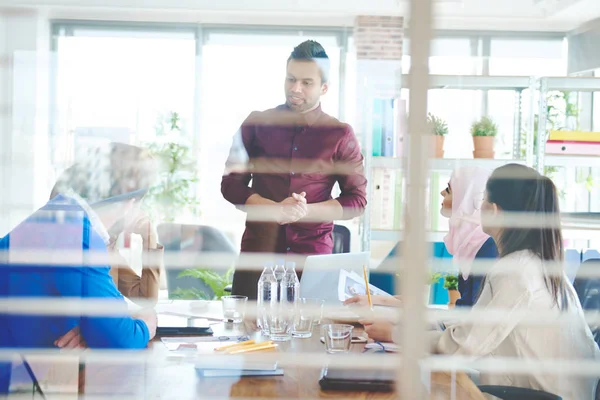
<point x="378" y="37"/>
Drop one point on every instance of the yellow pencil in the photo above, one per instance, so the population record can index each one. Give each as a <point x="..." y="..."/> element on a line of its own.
<point x="254" y="347"/>
<point x="367" y="286"/>
<point x="229" y="346"/>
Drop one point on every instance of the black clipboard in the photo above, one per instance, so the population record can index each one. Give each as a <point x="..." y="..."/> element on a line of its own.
<point x="358" y="380"/>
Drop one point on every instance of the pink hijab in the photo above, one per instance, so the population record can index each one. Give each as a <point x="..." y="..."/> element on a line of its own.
<point x="466" y="236"/>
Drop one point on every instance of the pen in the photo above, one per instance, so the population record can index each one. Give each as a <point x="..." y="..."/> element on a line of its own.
<point x="367" y="286"/>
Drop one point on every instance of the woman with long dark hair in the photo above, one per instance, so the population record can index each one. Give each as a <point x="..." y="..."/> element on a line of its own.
<point x="520" y="211"/>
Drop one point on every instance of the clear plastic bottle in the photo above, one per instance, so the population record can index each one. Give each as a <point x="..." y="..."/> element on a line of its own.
<point x="290" y="284"/>
<point x="279" y="272"/>
<point x="267" y="295"/>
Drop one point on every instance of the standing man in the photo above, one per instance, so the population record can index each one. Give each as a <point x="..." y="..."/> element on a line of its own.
<point x="296" y="154"/>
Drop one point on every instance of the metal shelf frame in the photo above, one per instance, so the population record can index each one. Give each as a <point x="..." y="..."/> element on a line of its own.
<point x="570" y="84"/>
<point x="518" y="84"/>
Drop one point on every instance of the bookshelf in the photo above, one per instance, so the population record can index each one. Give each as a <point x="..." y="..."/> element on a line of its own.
<point x="537" y="159"/>
<point x="444" y="164"/>
<point x="568" y="84"/>
<point x="394" y="165"/>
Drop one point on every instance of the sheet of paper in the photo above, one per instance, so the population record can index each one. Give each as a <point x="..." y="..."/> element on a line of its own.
<point x="192" y="343"/>
<point x="221" y="373"/>
<point x="351" y="284"/>
<point x="234" y="363"/>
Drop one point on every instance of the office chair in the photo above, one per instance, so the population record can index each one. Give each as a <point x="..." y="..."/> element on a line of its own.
<point x="341" y="239"/>
<point x="186" y="238"/>
<point x="517" y="393"/>
<point x="588" y="292"/>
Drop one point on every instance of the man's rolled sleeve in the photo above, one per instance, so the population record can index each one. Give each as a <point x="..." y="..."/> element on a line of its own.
<point x="237" y="177"/>
<point x="352" y="181"/>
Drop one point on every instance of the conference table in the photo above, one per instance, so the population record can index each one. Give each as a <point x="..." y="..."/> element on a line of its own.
<point x="170" y="374"/>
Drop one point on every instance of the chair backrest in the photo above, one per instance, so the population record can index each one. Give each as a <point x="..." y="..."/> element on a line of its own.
<point x="341" y="239"/>
<point x="588" y="292"/>
<point x="191" y="238"/>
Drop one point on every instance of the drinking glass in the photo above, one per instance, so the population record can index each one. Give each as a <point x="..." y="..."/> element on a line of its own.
<point x="280" y="321"/>
<point x="307" y="311"/>
<point x="338" y="338"/>
<point x="234" y="308"/>
<point x="319" y="316"/>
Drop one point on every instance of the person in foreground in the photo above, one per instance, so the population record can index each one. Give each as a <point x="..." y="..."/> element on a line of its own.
<point x="465" y="240"/>
<point x="78" y="178"/>
<point x="69" y="228"/>
<point x="520" y="287"/>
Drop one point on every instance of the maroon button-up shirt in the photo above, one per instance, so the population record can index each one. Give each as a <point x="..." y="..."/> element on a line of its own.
<point x="294" y="153"/>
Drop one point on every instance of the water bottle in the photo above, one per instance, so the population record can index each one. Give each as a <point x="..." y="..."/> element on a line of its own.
<point x="290" y="284"/>
<point x="279" y="272"/>
<point x="267" y="295"/>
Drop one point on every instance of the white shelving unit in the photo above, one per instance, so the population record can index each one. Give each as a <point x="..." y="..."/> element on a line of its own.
<point x="571" y="161"/>
<point x="569" y="84"/>
<point x="474" y="82"/>
<point x="445" y="164"/>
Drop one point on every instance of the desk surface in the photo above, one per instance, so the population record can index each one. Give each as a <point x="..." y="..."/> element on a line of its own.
<point x="171" y="377"/>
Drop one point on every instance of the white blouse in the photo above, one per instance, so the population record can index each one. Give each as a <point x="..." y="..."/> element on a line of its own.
<point x="516" y="283"/>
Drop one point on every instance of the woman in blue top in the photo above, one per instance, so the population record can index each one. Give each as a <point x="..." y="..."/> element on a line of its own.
<point x="466" y="240"/>
<point x="75" y="229"/>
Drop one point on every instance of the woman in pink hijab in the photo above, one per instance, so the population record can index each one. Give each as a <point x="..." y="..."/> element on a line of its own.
<point x="465" y="240"/>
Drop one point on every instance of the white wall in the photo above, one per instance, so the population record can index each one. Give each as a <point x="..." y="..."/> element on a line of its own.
<point x="24" y="74"/>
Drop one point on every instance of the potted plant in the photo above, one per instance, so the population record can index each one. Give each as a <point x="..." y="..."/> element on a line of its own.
<point x="451" y="284"/>
<point x="439" y="128"/>
<point x="484" y="133"/>
<point x="215" y="281"/>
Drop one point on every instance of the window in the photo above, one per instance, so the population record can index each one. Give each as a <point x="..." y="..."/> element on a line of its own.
<point x="528" y="57"/>
<point x="114" y="85"/>
<point x="449" y="56"/>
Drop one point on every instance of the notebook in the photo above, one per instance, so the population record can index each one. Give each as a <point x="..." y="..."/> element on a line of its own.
<point x="216" y="373"/>
<point x="390" y="347"/>
<point x="233" y="366"/>
<point x="360" y="380"/>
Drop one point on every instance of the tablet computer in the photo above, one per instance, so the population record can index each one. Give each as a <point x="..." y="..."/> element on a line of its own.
<point x="360" y="380"/>
<point x="169" y="325"/>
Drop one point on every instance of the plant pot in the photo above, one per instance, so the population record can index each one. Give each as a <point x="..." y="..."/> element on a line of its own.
<point x="453" y="295"/>
<point x="483" y="146"/>
<point x="439" y="146"/>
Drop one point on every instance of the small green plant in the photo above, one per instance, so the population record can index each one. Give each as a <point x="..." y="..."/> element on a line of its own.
<point x="175" y="192"/>
<point x="451" y="282"/>
<point x="438" y="126"/>
<point x="215" y="281"/>
<point x="435" y="277"/>
<point x="484" y="127"/>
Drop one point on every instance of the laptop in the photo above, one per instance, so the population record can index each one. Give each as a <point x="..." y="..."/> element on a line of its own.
<point x="170" y="324"/>
<point x="319" y="280"/>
